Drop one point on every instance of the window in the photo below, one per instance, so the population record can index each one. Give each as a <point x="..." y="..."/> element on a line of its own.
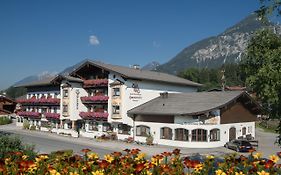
<point x="106" y="127"/>
<point x="142" y="130"/>
<point x="199" y="135"/>
<point x="215" y="135"/>
<point x="166" y="133"/>
<point x="244" y="131"/>
<point x="65" y="108"/>
<point x="115" y="109"/>
<point x="116" y="92"/>
<point x="124" y="129"/>
<point x="65" y="93"/>
<point x="249" y="129"/>
<point x="93" y="126"/>
<point x="181" y="134"/>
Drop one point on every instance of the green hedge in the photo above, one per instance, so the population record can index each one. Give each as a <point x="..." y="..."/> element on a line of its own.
<point x="5" y="120"/>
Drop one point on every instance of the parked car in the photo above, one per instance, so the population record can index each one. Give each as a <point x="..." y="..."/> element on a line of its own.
<point x="239" y="145"/>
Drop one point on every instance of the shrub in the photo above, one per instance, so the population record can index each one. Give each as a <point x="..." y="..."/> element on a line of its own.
<point x="13" y="144"/>
<point x="33" y="127"/>
<point x="5" y="120"/>
<point x="25" y="124"/>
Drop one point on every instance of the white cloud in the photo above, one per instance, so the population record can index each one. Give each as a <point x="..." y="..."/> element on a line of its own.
<point x="94" y="40"/>
<point x="155" y="44"/>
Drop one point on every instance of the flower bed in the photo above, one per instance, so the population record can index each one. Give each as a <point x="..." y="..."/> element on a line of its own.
<point x="98" y="98"/>
<point x="95" y="82"/>
<point x="28" y="114"/>
<point x="39" y="101"/>
<point x="135" y="162"/>
<point x="94" y="115"/>
<point x="52" y="115"/>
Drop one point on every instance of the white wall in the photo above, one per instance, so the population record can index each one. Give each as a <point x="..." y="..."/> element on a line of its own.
<point x="148" y="90"/>
<point x="224" y="134"/>
<point x="75" y="105"/>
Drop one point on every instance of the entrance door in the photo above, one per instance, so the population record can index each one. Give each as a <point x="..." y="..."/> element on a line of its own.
<point x="232" y="133"/>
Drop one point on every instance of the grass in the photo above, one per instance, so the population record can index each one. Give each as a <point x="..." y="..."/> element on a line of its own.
<point x="5" y="120"/>
<point x="266" y="128"/>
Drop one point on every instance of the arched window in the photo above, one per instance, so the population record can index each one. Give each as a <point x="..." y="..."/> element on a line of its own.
<point x="244" y="131"/>
<point x="199" y="135"/>
<point x="215" y="135"/>
<point x="124" y="129"/>
<point x="142" y="130"/>
<point x="181" y="134"/>
<point x="166" y="133"/>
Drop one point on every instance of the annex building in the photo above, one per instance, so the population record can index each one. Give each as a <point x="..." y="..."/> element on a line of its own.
<point x="94" y="99"/>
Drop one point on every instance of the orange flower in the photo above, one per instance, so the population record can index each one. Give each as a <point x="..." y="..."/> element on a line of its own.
<point x="191" y="163"/>
<point x="139" y="167"/>
<point x="116" y="154"/>
<point x="103" y="164"/>
<point x="269" y="164"/>
<point x="166" y="154"/>
<point x="85" y="150"/>
<point x="176" y="151"/>
<point x="135" y="151"/>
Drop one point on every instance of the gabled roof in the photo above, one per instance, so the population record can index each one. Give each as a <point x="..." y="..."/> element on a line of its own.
<point x="66" y="77"/>
<point x="131" y="73"/>
<point x="192" y="103"/>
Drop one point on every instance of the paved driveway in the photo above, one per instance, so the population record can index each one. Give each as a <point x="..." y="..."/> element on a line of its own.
<point x="47" y="142"/>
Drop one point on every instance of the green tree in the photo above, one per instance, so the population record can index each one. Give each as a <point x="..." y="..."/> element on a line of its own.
<point x="262" y="68"/>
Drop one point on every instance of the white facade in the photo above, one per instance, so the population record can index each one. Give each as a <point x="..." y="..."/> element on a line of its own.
<point x="223" y="136"/>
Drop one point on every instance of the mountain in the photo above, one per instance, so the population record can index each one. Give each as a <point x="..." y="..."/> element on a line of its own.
<point x="151" y="66"/>
<point x="211" y="52"/>
<point x="33" y="78"/>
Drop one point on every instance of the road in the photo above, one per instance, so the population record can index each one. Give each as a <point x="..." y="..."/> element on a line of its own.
<point x="44" y="143"/>
<point x="47" y="142"/>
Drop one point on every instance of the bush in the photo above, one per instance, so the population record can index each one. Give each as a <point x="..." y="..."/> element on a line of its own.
<point x="25" y="124"/>
<point x="33" y="127"/>
<point x="5" y="120"/>
<point x="13" y="144"/>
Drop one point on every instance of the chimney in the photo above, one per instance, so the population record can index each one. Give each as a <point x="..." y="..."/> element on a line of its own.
<point x="136" y="66"/>
<point x="164" y="94"/>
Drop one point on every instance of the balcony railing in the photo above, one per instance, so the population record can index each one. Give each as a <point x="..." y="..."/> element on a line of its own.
<point x="95" y="99"/>
<point x="95" y="83"/>
<point x="29" y="114"/>
<point x="94" y="115"/>
<point x="40" y="101"/>
<point x="50" y="115"/>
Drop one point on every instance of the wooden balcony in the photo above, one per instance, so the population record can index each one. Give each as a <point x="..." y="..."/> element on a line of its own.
<point x="41" y="101"/>
<point x="95" y="83"/>
<point x="94" y="115"/>
<point x="29" y="114"/>
<point x="95" y="99"/>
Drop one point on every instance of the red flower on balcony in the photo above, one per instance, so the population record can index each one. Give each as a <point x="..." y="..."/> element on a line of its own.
<point x="95" y="82"/>
<point x="98" y="98"/>
<point x="39" y="101"/>
<point x="50" y="115"/>
<point x="94" y="115"/>
<point x="29" y="114"/>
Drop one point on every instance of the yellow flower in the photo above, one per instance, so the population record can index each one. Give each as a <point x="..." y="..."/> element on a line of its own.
<point x="148" y="172"/>
<point x="155" y="161"/>
<point x="75" y="173"/>
<point x="263" y="173"/>
<point x="198" y="167"/>
<point x="210" y="157"/>
<point x="220" y="172"/>
<point x="98" y="172"/>
<point x="24" y="157"/>
<point x="32" y="168"/>
<point x="108" y="158"/>
<point x="93" y="156"/>
<point x="274" y="158"/>
<point x="54" y="172"/>
<point x="240" y="173"/>
<point x="140" y="156"/>
<point x="257" y="155"/>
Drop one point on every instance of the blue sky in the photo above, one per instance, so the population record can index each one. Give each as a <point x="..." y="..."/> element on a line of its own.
<point x="50" y="35"/>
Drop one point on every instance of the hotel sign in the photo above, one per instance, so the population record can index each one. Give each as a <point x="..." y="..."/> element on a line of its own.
<point x="136" y="94"/>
